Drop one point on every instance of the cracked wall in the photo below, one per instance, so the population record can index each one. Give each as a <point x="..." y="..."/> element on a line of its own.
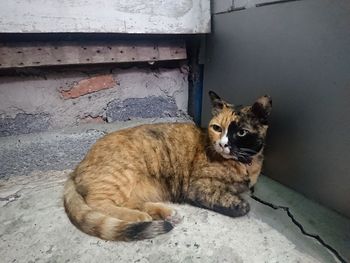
<point x="48" y="100"/>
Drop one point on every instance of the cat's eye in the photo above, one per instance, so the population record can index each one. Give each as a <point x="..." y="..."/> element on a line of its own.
<point x="216" y="128"/>
<point x="242" y="132"/>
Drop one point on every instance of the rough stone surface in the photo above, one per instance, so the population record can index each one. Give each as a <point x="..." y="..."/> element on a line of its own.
<point x="44" y="152"/>
<point x="34" y="228"/>
<point x="39" y="93"/>
<point x="89" y="85"/>
<point x="57" y="150"/>
<point x="24" y="123"/>
<point x="149" y="107"/>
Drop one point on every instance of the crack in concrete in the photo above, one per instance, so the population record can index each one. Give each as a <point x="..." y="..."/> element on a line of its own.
<point x="10" y="198"/>
<point x="275" y="2"/>
<point x="233" y="9"/>
<point x="300" y="226"/>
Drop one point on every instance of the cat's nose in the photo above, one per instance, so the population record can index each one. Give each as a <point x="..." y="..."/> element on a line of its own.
<point x="223" y="145"/>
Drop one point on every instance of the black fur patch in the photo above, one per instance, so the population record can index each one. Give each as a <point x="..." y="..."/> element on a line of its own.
<point x="238" y="210"/>
<point x="251" y="141"/>
<point x="234" y="211"/>
<point x="144" y="230"/>
<point x="136" y="230"/>
<point x="195" y="202"/>
<point x="241" y="187"/>
<point x="167" y="226"/>
<point x="262" y="111"/>
<point x="156" y="134"/>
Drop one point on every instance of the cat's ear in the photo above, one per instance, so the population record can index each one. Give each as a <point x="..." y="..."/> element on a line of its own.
<point x="262" y="109"/>
<point x="217" y="103"/>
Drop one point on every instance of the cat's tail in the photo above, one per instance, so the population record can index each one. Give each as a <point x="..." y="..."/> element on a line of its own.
<point x="104" y="226"/>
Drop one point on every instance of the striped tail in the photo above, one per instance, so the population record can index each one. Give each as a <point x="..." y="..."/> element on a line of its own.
<point x="97" y="224"/>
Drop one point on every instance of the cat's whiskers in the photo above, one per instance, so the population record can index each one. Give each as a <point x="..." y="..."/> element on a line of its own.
<point x="248" y="151"/>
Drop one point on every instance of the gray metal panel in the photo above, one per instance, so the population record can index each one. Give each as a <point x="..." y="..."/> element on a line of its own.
<point x="299" y="53"/>
<point x="221" y="6"/>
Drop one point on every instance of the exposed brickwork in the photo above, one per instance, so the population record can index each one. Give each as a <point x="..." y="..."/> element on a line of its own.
<point x="41" y="100"/>
<point x="89" y="85"/>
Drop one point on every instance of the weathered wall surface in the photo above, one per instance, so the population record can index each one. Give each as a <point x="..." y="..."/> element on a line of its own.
<point x="50" y="100"/>
<point x="113" y="16"/>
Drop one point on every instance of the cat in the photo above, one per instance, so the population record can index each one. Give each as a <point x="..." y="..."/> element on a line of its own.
<point x="120" y="189"/>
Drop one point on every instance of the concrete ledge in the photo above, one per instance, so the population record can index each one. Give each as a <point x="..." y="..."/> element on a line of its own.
<point x="57" y="150"/>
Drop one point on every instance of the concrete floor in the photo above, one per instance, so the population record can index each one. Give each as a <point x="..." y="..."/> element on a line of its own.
<point x="34" y="228"/>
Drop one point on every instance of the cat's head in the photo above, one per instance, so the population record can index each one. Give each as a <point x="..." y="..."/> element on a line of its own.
<point x="238" y="132"/>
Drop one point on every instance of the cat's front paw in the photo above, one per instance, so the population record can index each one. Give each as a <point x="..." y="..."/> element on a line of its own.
<point x="240" y="187"/>
<point x="235" y="210"/>
<point x="242" y="208"/>
<point x="175" y="218"/>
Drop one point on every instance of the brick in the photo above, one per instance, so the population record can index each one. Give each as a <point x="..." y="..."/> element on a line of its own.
<point x="89" y="85"/>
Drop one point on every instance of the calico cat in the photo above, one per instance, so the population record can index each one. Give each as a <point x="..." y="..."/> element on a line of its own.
<point x="119" y="190"/>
